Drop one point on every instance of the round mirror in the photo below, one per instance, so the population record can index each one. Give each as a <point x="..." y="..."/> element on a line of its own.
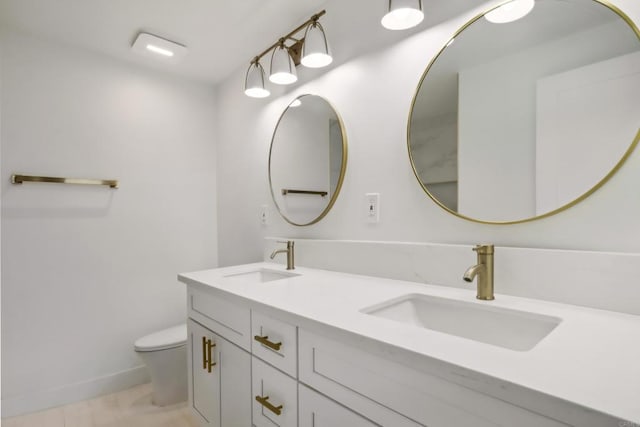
<point x="520" y="118"/>
<point x="307" y="160"/>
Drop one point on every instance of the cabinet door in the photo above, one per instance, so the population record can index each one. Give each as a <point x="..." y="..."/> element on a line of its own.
<point x="235" y="384"/>
<point x="204" y="375"/>
<point x="318" y="411"/>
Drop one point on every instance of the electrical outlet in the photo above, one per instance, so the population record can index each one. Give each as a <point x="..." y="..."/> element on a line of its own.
<point x="264" y="214"/>
<point x="372" y="207"/>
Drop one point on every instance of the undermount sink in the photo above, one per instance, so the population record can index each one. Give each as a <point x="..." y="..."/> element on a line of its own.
<point x="261" y="275"/>
<point x="511" y="329"/>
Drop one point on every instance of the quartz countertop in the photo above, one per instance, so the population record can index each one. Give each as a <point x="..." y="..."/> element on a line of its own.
<point x="591" y="359"/>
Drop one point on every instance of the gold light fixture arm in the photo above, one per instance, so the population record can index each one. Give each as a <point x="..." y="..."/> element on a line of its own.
<point x="290" y="34"/>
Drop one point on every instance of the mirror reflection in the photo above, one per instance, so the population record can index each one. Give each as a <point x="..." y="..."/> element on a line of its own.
<point x="519" y="119"/>
<point x="307" y="160"/>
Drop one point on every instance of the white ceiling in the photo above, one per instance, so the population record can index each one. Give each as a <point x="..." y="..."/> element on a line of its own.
<point x="221" y="35"/>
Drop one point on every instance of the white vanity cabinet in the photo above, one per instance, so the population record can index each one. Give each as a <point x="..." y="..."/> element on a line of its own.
<point x="219" y="379"/>
<point x="219" y="365"/>
<point x="289" y="366"/>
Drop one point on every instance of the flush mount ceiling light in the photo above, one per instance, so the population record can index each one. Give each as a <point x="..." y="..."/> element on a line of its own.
<point x="311" y="51"/>
<point x="403" y="14"/>
<point x="158" y="47"/>
<point x="510" y="11"/>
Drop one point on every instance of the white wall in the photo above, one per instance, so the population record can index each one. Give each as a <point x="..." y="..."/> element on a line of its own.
<point x="373" y="94"/>
<point x="88" y="270"/>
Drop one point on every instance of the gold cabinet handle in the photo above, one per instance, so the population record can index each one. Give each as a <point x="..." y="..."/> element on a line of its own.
<point x="265" y="341"/>
<point x="264" y="401"/>
<point x="204" y="352"/>
<point x="207" y="360"/>
<point x="210" y="362"/>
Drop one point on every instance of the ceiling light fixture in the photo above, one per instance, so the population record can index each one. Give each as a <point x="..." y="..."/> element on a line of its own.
<point x="511" y="11"/>
<point x="154" y="46"/>
<point x="403" y="14"/>
<point x="311" y="51"/>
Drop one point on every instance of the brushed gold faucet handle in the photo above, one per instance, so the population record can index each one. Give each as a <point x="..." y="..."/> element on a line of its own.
<point x="289" y="243"/>
<point x="484" y="249"/>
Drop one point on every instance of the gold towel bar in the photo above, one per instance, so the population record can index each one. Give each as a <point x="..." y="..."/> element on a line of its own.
<point x="19" y="179"/>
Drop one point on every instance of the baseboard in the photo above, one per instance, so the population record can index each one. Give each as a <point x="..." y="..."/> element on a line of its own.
<point x="44" y="399"/>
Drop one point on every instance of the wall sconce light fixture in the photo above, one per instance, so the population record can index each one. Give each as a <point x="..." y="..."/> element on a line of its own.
<point x="311" y="51"/>
<point x="403" y="14"/>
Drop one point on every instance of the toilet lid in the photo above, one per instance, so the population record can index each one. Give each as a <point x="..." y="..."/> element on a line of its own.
<point x="162" y="340"/>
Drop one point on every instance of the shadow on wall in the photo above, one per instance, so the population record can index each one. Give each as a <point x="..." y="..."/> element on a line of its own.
<point x="28" y="201"/>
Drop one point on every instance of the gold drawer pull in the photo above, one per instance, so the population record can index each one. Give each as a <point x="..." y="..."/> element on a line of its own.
<point x="265" y="341"/>
<point x="264" y="401"/>
<point x="207" y="360"/>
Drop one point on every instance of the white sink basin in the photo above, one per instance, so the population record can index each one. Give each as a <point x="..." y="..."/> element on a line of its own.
<point x="261" y="276"/>
<point x="512" y="329"/>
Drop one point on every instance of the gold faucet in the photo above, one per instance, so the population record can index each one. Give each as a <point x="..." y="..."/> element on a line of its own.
<point x="288" y="251"/>
<point x="484" y="270"/>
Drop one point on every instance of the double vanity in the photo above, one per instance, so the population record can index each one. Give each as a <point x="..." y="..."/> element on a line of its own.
<point x="308" y="347"/>
<point x="509" y="124"/>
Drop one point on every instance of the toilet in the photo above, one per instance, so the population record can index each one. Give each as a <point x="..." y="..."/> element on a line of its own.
<point x="165" y="354"/>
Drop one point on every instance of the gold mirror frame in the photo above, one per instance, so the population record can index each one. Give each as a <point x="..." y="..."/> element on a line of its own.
<point x="562" y="208"/>
<point x="343" y="167"/>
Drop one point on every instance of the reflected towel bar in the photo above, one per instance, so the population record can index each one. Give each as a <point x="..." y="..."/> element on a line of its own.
<point x="19" y="179"/>
<point x="286" y="191"/>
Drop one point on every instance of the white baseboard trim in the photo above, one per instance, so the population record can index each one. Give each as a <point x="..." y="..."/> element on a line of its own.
<point x="39" y="400"/>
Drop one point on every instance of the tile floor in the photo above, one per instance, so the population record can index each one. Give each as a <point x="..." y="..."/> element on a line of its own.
<point x="128" y="408"/>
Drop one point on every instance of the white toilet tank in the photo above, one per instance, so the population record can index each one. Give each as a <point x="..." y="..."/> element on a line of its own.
<point x="165" y="354"/>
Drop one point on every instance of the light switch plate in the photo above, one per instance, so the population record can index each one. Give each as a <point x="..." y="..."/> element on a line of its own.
<point x="372" y="207"/>
<point x="264" y="214"/>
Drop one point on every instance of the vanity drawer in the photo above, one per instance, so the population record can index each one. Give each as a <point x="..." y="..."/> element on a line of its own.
<point x="319" y="411"/>
<point x="274" y="396"/>
<point x="357" y="378"/>
<point x="275" y="342"/>
<point x="226" y="319"/>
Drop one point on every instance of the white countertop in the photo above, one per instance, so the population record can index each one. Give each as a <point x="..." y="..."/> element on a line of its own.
<point x="592" y="358"/>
